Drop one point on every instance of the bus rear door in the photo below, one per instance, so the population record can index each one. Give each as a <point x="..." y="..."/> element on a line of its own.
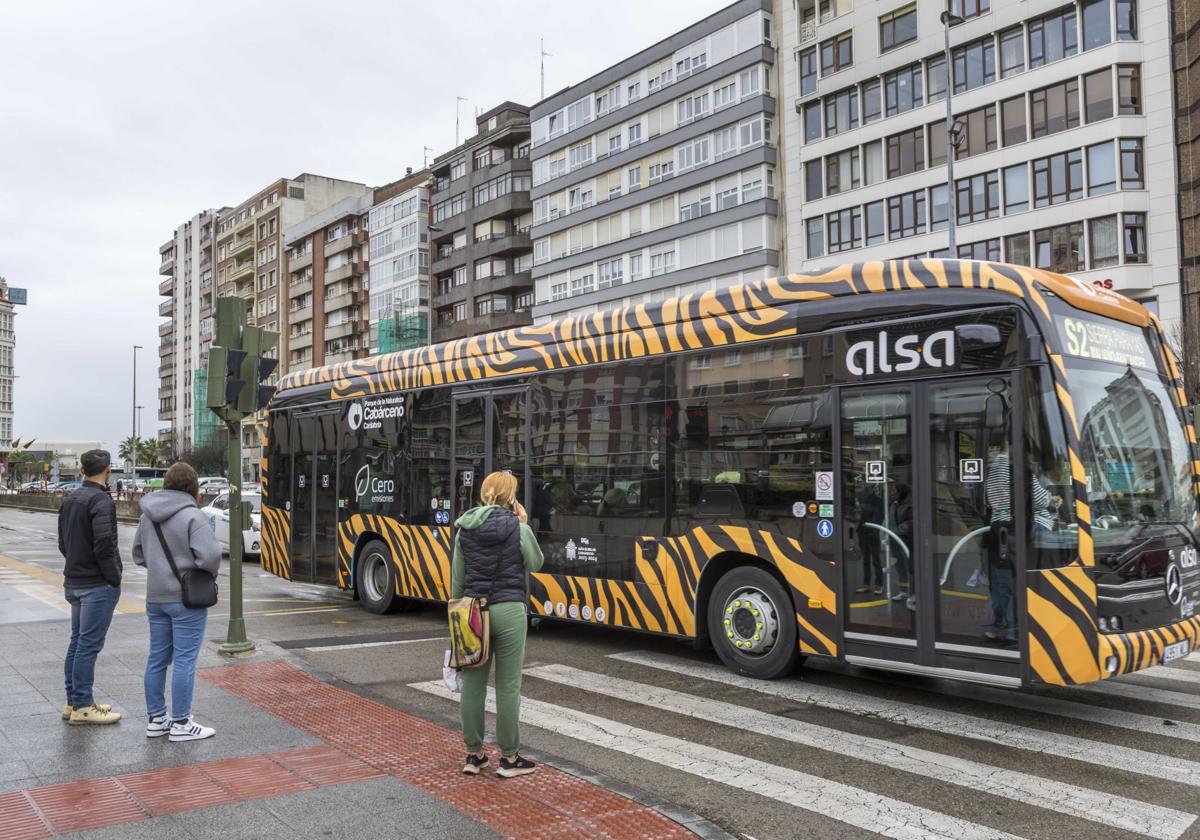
<point x="314" y="497"/>
<point x="489" y="432"/>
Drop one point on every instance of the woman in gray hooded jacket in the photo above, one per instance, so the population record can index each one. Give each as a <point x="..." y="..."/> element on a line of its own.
<point x="176" y="631"/>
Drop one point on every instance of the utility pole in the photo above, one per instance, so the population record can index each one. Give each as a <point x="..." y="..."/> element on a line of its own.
<point x="459" y="101"/>
<point x="950" y="19"/>
<point x="136" y="348"/>
<point x="542" y="64"/>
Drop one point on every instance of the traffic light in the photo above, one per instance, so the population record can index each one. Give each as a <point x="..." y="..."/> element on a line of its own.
<point x="224" y="376"/>
<point x="237" y="366"/>
<point x="256" y="368"/>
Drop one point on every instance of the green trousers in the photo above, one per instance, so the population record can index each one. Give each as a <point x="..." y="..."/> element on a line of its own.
<point x="509" y="624"/>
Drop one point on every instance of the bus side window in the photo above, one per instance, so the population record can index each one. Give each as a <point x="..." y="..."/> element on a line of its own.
<point x="1054" y="541"/>
<point x="279" y="461"/>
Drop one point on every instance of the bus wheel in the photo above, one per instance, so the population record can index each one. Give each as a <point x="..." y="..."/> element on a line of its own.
<point x="752" y="625"/>
<point x="377" y="579"/>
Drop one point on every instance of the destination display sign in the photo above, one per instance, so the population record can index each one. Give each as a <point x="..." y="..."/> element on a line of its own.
<point x="1104" y="341"/>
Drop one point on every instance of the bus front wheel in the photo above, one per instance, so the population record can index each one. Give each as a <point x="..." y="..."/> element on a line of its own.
<point x="752" y="624"/>
<point x="377" y="579"/>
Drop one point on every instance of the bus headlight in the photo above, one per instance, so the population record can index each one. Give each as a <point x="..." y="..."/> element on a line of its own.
<point x="1103" y="624"/>
<point x="1110" y="665"/>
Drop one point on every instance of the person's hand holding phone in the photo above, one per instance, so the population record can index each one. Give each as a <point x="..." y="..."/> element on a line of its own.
<point x="519" y="510"/>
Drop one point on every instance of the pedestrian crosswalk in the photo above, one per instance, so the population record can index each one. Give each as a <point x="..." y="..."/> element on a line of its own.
<point x="1063" y="763"/>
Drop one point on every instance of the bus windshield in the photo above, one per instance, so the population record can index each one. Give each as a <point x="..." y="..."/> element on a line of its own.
<point x="1134" y="453"/>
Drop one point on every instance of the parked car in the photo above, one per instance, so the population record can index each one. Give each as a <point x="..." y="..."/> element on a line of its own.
<point x="67" y="486"/>
<point x="211" y="484"/>
<point x="217" y="512"/>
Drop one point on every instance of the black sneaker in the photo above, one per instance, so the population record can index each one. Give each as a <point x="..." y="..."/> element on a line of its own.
<point x="474" y="764"/>
<point x="518" y="766"/>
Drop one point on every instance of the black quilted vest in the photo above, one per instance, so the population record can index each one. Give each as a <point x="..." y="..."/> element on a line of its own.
<point x="492" y="559"/>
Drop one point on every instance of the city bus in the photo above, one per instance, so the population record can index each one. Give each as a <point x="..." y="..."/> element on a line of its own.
<point x="953" y="468"/>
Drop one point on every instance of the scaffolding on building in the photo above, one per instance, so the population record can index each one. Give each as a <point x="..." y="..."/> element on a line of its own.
<point x="206" y="426"/>
<point x="404" y="329"/>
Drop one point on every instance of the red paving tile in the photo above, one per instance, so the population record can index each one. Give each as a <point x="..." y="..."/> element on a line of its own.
<point x="92" y="803"/>
<point x="549" y="803"/>
<point x="255" y="777"/>
<point x="322" y="766"/>
<point x="174" y="790"/>
<point x="18" y="819"/>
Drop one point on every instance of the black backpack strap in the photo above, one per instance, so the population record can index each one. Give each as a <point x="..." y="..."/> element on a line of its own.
<point x="167" y="551"/>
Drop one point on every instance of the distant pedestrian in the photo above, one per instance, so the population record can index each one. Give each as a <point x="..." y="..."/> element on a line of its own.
<point x="87" y="538"/>
<point x="493" y="550"/>
<point x="176" y="632"/>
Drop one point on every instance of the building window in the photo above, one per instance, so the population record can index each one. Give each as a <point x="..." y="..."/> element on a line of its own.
<point x="1129" y="89"/>
<point x="460" y="311"/>
<point x="845" y="230"/>
<point x="1102" y="242"/>
<point x="812" y="180"/>
<point x="898" y="27"/>
<point x="1097" y="23"/>
<point x="1101" y="168"/>
<point x="611" y="273"/>
<point x="1059" y="248"/>
<point x="987" y="249"/>
<point x="815" y="238"/>
<point x="841" y="112"/>
<point x="905" y="153"/>
<point x="1054" y="108"/>
<point x="968" y="9"/>
<point x="635" y="134"/>
<point x="1016" y="188"/>
<point x="459" y="276"/>
<point x="808" y="71"/>
<point x="978" y="197"/>
<point x="1134" y="225"/>
<point x="979" y="134"/>
<point x="1012" y="52"/>
<point x="974" y="65"/>
<point x="1132" y="169"/>
<point x="458" y="168"/>
<point x="837" y="53"/>
<point x="1097" y="95"/>
<point x="1052" y="37"/>
<point x="1127" y="20"/>
<point x="841" y="172"/>
<point x="812" y="122"/>
<point x="1016" y="249"/>
<point x="939" y="207"/>
<point x="873" y="219"/>
<point x="906" y="214"/>
<point x="903" y="90"/>
<point x="558" y="291"/>
<point x="872" y="104"/>
<point x="1058" y="178"/>
<point x="935" y="78"/>
<point x="1012" y="113"/>
<point x="936" y="132"/>
<point x="873" y="162"/>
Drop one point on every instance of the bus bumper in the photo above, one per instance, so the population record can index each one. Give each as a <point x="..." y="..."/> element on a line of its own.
<point x="1125" y="653"/>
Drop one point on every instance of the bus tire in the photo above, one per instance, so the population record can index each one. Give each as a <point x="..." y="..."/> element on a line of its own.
<point x="375" y="575"/>
<point x="760" y="639"/>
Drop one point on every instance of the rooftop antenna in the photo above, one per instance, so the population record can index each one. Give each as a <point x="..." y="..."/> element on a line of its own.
<point x="457" y="119"/>
<point x="542" y="42"/>
<point x="427" y="151"/>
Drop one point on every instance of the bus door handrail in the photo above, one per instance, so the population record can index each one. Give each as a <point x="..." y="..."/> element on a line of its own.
<point x="958" y="547"/>
<point x="890" y="533"/>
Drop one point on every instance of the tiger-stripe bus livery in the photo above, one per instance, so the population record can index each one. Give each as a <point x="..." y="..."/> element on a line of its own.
<point x="1062" y="643"/>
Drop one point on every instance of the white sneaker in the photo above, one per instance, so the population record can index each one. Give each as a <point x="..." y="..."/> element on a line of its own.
<point x="189" y="730"/>
<point x="158" y="726"/>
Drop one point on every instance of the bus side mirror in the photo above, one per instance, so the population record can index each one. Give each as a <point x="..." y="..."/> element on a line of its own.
<point x="977" y="336"/>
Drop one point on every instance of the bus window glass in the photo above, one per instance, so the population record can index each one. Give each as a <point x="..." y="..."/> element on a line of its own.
<point x="427" y="489"/>
<point x="380" y="470"/>
<point x="1055" y="536"/>
<point x="279" y="461"/>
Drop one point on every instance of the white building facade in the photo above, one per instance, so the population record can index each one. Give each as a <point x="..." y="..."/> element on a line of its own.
<point x="8" y="348"/>
<point x="399" y="270"/>
<point x="1064" y="128"/>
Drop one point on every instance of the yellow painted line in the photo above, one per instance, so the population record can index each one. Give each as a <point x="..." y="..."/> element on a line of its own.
<point x="127" y="604"/>
<point x="972" y="595"/>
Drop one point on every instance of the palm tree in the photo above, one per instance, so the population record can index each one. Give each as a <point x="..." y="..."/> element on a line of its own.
<point x="129" y="449"/>
<point x="148" y="452"/>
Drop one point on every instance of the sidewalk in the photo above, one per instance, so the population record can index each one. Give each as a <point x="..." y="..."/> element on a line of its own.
<point x="293" y="757"/>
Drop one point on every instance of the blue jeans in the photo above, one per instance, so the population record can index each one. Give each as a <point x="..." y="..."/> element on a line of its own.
<point x="176" y="633"/>
<point x="91" y="614"/>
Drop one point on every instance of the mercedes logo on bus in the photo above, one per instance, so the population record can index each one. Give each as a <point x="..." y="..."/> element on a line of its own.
<point x="1173" y="584"/>
<point x="354" y="415"/>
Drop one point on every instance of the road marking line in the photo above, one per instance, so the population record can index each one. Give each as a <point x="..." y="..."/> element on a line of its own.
<point x="1166" y="672"/>
<point x="943" y="722"/>
<point x="833" y="800"/>
<point x="1061" y="797"/>
<point x="283" y="612"/>
<point x="377" y="644"/>
<point x="1142" y="693"/>
<point x="126" y="605"/>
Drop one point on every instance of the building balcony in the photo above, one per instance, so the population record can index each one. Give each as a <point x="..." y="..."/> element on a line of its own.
<point x="240" y="246"/>
<point x="242" y="271"/>
<point x="333" y="304"/>
<point x="166" y="367"/>
<point x="513" y="204"/>
<point x="166" y="308"/>
<point x="344" y="330"/>
<point x="482" y="324"/>
<point x="298" y="316"/>
<point x="298" y="288"/>
<point x="343" y="356"/>
<point x="342" y="272"/>
<point x="167" y="287"/>
<point x="167" y="266"/>
<point x="167" y="414"/>
<point x="338" y="245"/>
<point x="300" y="342"/>
<point x="302" y="261"/>
<point x="244" y="225"/>
<point x="166" y="328"/>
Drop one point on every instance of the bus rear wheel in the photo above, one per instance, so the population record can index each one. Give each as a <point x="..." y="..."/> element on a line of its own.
<point x="376" y="579"/>
<point x="752" y="624"/>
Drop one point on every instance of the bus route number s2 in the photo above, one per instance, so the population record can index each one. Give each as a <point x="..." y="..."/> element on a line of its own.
<point x="1076" y="333"/>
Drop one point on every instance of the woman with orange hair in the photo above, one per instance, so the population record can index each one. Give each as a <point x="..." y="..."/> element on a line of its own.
<point x="493" y="549"/>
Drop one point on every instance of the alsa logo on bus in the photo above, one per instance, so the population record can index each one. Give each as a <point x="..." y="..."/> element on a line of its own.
<point x="886" y="355"/>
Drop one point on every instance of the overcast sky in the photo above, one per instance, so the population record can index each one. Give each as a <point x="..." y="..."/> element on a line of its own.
<point x="120" y="120"/>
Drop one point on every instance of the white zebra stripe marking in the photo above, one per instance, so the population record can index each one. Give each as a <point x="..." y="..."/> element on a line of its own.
<point x="1165" y="672"/>
<point x="944" y="722"/>
<point x="1142" y="693"/>
<point x="834" y="800"/>
<point x="1060" y="797"/>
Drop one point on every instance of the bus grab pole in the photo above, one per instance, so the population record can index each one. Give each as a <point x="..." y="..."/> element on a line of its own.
<point x="235" y="636"/>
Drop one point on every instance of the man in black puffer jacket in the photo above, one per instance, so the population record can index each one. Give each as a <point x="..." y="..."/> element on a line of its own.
<point x="87" y="538"/>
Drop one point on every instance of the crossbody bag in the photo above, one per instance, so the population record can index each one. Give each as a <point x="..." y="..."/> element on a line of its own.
<point x="197" y="588"/>
<point x="470" y="627"/>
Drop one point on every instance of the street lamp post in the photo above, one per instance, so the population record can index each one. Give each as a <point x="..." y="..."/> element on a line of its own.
<point x="950" y="19"/>
<point x="136" y="348"/>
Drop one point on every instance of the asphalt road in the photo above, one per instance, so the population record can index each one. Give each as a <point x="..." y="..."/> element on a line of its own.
<point x="832" y="752"/>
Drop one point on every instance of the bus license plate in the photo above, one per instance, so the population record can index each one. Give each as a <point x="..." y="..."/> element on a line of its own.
<point x="1175" y="651"/>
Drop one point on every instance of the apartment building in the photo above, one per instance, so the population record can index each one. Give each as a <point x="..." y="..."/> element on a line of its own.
<point x="399" y="311"/>
<point x="480" y="228"/>
<point x="326" y="292"/>
<point x="658" y="175"/>
<point x="1063" y="127"/>
<point x="8" y="347"/>
<point x="1186" y="58"/>
<point x="187" y="263"/>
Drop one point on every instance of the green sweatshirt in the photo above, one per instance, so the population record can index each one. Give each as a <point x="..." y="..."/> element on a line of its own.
<point x="531" y="552"/>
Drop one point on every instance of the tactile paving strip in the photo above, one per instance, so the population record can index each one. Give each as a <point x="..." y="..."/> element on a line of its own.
<point x="548" y="803"/>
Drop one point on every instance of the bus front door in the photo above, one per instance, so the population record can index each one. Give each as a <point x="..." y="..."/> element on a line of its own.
<point x="929" y="517"/>
<point x="489" y="432"/>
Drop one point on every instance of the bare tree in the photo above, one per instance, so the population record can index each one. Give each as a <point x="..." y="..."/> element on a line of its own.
<point x="1189" y="363"/>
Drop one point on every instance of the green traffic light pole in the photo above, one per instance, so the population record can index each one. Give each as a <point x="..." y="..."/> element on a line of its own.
<point x="235" y="637"/>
